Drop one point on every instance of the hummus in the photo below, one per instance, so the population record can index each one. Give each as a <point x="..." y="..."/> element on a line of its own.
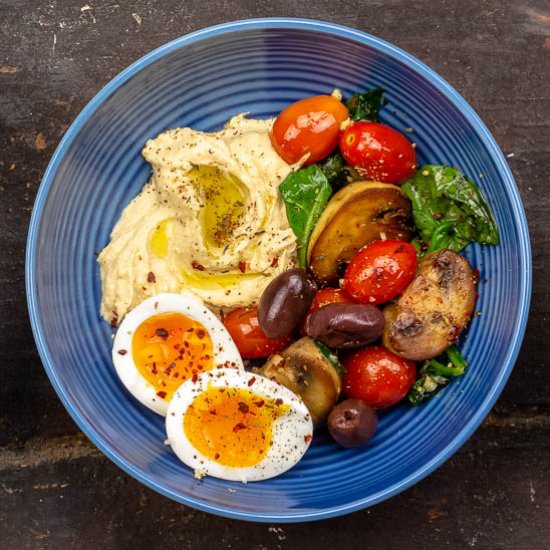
<point x="210" y="220"/>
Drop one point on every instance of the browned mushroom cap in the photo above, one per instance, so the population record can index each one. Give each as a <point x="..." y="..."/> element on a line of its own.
<point x="306" y="371"/>
<point x="434" y="309"/>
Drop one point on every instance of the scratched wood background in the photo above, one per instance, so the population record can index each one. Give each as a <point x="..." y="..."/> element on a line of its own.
<point x="58" y="491"/>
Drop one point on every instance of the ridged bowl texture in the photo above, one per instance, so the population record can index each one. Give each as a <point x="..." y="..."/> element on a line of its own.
<point x="200" y="80"/>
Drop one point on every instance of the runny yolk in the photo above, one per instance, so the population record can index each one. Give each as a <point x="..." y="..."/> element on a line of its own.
<point x="232" y="426"/>
<point x="170" y="348"/>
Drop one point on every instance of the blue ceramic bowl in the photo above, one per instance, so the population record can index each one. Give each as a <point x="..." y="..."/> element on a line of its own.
<point x="200" y="80"/>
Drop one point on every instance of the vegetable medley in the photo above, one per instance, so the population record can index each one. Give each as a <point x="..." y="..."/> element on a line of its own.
<point x="362" y="310"/>
<point x="373" y="313"/>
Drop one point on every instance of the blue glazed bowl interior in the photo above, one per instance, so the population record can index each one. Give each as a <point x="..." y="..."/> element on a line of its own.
<point x="200" y="81"/>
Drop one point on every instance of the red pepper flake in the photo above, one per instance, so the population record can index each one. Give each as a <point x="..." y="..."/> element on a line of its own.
<point x="212" y="411"/>
<point x="307" y="438"/>
<point x="122" y="352"/>
<point x="242" y="266"/>
<point x="238" y="427"/>
<point x="169" y="368"/>
<point x="161" y="333"/>
<point x="260" y="403"/>
<point x="216" y="456"/>
<point x="114" y="319"/>
<point x="176" y="346"/>
<point x="151" y="277"/>
<point x="196" y="265"/>
<point x="154" y="369"/>
<point x="251" y="381"/>
<point x="161" y="394"/>
<point x="195" y="378"/>
<point x="201" y="333"/>
<point x="274" y="261"/>
<point x="278" y="401"/>
<point x="243" y="407"/>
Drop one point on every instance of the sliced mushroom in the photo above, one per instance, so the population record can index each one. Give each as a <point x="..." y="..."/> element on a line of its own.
<point x="434" y="309"/>
<point x="308" y="372"/>
<point x="359" y="213"/>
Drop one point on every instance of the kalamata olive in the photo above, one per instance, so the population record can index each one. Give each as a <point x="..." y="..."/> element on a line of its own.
<point x="352" y="423"/>
<point x="345" y="326"/>
<point x="285" y="302"/>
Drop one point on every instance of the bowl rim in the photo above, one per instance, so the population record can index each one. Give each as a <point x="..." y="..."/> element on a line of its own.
<point x="443" y="87"/>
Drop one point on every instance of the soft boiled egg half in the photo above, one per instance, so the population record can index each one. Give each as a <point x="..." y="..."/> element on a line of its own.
<point x="166" y="340"/>
<point x="237" y="425"/>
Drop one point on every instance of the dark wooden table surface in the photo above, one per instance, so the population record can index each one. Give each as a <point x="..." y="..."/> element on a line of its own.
<point x="58" y="491"/>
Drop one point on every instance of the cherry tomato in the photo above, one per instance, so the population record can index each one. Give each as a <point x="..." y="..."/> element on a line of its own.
<point x="251" y="341"/>
<point x="380" y="271"/>
<point x="377" y="376"/>
<point x="378" y="152"/>
<point x="325" y="296"/>
<point x="311" y="125"/>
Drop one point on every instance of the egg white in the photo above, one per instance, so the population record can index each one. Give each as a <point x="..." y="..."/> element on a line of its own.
<point x="225" y="351"/>
<point x="291" y="436"/>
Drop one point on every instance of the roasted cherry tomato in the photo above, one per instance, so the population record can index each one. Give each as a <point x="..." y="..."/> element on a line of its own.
<point x="378" y="377"/>
<point x="378" y="152"/>
<point x="325" y="296"/>
<point x="380" y="271"/>
<point x="309" y="126"/>
<point x="243" y="326"/>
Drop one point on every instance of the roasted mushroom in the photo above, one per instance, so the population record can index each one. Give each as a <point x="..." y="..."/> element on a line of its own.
<point x="359" y="213"/>
<point x="308" y="372"/>
<point x="434" y="309"/>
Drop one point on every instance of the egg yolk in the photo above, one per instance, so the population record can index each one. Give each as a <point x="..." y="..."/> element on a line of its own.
<point x="232" y="426"/>
<point x="170" y="348"/>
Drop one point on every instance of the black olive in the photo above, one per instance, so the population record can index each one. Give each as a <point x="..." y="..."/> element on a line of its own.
<point x="352" y="423"/>
<point x="285" y="302"/>
<point x="345" y="326"/>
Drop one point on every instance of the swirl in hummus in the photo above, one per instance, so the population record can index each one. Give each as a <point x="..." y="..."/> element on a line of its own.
<point x="210" y="220"/>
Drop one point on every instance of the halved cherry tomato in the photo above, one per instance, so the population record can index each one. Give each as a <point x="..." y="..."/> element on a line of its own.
<point x="380" y="271"/>
<point x="377" y="376"/>
<point x="378" y="152"/>
<point x="309" y="126"/>
<point x="325" y="296"/>
<point x="251" y="341"/>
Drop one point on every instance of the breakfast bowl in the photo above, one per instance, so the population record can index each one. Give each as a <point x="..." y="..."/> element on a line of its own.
<point x="199" y="81"/>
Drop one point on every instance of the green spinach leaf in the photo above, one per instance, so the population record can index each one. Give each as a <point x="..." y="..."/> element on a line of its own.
<point x="435" y="374"/>
<point x="449" y="210"/>
<point x="331" y="357"/>
<point x="306" y="193"/>
<point x="338" y="173"/>
<point x="366" y="106"/>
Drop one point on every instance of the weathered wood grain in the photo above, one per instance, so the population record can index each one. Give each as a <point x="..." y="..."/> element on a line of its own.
<point x="488" y="497"/>
<point x="54" y="56"/>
